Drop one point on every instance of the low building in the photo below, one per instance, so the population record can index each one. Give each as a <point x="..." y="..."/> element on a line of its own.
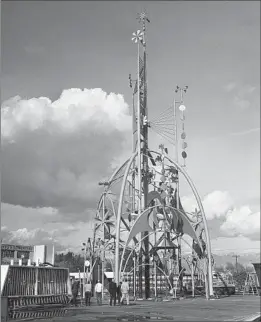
<point x="21" y="254"/>
<point x="12" y="253"/>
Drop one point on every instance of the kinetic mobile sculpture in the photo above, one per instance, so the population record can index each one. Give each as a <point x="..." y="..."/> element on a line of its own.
<point x="140" y="208"/>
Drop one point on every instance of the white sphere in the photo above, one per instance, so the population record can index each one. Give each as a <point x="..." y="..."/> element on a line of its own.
<point x="182" y="108"/>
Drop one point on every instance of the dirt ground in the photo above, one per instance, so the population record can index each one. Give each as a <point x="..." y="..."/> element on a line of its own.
<point x="234" y="308"/>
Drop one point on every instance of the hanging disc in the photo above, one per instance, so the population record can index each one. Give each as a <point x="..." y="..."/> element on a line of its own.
<point x="183" y="135"/>
<point x="184" y="145"/>
<point x="184" y="154"/>
<point x="163" y="178"/>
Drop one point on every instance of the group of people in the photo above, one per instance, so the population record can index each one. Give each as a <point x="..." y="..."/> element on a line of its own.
<point x="119" y="292"/>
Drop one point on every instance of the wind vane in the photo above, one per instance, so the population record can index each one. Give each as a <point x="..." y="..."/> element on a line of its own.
<point x="143" y="17"/>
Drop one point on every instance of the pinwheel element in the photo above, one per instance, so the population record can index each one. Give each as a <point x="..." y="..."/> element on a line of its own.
<point x="137" y="36"/>
<point x="107" y="222"/>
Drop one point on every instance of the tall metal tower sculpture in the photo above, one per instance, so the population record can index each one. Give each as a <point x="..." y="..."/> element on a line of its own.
<point x="144" y="191"/>
<point x="140" y="139"/>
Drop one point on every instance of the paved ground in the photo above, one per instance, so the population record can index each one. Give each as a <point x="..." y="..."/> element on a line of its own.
<point x="234" y="308"/>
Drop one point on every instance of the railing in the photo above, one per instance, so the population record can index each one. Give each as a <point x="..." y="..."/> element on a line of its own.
<point x="36" y="292"/>
<point x="26" y="281"/>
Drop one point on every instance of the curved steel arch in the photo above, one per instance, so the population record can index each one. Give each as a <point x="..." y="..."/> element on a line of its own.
<point x="105" y="193"/>
<point x="118" y="219"/>
<point x="195" y="192"/>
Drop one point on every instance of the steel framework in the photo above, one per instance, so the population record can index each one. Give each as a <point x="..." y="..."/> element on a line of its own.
<point x="140" y="206"/>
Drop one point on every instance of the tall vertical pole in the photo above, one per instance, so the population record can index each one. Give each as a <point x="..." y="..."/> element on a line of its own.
<point x="177" y="186"/>
<point x="139" y="134"/>
<point x="142" y="133"/>
<point x="36" y="281"/>
<point x="134" y="276"/>
<point x="192" y="276"/>
<point x="103" y="246"/>
<point x="236" y="256"/>
<point x="134" y="130"/>
<point x="139" y="163"/>
<point x="155" y="277"/>
<point x="144" y="19"/>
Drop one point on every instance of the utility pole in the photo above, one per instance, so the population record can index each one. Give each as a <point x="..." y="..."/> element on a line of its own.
<point x="236" y="257"/>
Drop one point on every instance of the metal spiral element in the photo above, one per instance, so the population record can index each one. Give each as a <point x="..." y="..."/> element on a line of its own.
<point x="37" y="314"/>
<point x="37" y="306"/>
<point x="32" y="301"/>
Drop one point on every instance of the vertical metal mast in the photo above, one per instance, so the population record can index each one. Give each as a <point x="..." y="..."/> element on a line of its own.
<point x="137" y="38"/>
<point x="144" y="130"/>
<point x="142" y="147"/>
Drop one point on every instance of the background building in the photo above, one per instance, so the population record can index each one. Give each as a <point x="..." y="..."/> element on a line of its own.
<point x="36" y="254"/>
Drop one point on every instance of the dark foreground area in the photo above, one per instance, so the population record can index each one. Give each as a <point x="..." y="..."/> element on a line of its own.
<point x="234" y="308"/>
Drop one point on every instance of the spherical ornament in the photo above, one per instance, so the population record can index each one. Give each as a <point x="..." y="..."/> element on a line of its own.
<point x="182" y="108"/>
<point x="184" y="145"/>
<point x="183" y="135"/>
<point x="184" y="154"/>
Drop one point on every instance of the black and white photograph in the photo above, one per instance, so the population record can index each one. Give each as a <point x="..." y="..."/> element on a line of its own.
<point x="130" y="162"/>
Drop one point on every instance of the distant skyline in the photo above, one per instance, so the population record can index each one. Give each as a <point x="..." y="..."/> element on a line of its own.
<point x="55" y="150"/>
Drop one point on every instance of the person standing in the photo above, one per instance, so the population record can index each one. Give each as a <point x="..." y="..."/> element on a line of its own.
<point x="112" y="291"/>
<point x="75" y="290"/>
<point x="98" y="292"/>
<point x="88" y="293"/>
<point x="125" y="292"/>
<point x="119" y="294"/>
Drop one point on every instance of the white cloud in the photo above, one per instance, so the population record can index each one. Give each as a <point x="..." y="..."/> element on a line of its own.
<point x="254" y="130"/>
<point x="239" y="245"/>
<point x="236" y="221"/>
<point x="243" y="99"/>
<point x="242" y="221"/>
<point x="45" y="226"/>
<point x="24" y="236"/>
<point x="40" y="236"/>
<point x="54" y="153"/>
<point x="216" y="204"/>
<point x="241" y="102"/>
<point x="230" y="86"/>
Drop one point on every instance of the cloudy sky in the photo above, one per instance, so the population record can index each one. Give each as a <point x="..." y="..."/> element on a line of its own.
<point x="66" y="117"/>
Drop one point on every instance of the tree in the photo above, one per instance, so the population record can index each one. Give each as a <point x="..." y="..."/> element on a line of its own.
<point x="219" y="269"/>
<point x="69" y="260"/>
<point x="230" y="267"/>
<point x="240" y="268"/>
<point x="240" y="278"/>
